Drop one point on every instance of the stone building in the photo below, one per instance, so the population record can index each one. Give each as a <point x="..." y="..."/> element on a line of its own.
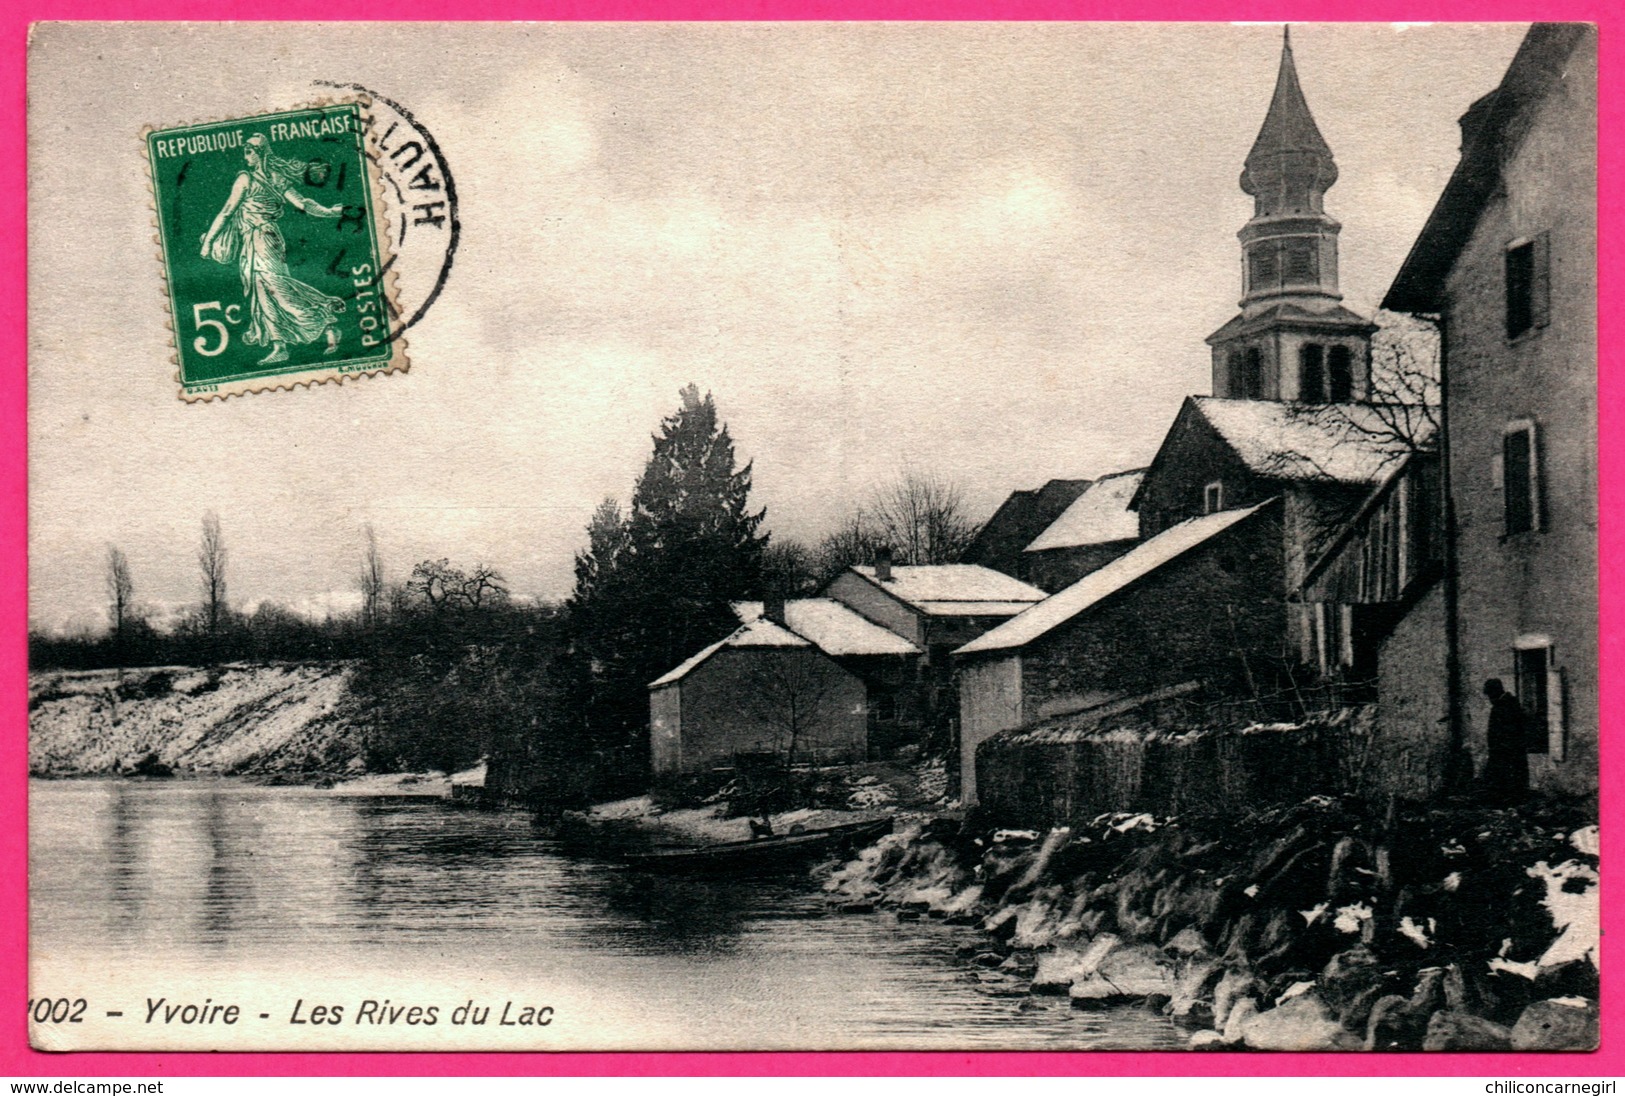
<point x="803" y="680"/>
<point x="1190" y="605"/>
<point x="1021" y="517"/>
<point x="1246" y="489"/>
<point x="1098" y="527"/>
<point x="937" y="608"/>
<point x="1374" y="605"/>
<point x="1507" y="262"/>
<point x="887" y="664"/>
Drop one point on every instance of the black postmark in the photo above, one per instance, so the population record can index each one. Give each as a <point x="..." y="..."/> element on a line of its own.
<point x="422" y="197"/>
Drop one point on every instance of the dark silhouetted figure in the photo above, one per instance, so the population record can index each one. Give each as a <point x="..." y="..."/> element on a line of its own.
<point x="1506" y="768"/>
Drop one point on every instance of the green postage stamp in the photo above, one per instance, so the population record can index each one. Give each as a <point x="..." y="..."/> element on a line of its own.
<point x="274" y="253"/>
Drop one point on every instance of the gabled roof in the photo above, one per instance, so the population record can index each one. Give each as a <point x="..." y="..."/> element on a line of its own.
<point x="1353" y="443"/>
<point x="1019" y="518"/>
<point x="1100" y="515"/>
<point x="1348" y="443"/>
<point x="832" y="627"/>
<point x="955" y="589"/>
<point x="1093" y="588"/>
<point x="1489" y="125"/>
<point x="757" y="633"/>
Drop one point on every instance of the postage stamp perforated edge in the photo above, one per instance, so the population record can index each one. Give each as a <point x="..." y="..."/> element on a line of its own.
<point x="298" y="376"/>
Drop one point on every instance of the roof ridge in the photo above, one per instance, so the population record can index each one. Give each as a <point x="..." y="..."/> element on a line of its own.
<point x="1114" y="577"/>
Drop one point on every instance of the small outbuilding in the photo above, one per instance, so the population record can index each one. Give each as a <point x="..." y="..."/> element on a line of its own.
<point x="804" y="680"/>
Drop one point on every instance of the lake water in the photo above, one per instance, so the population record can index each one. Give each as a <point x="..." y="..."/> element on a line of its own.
<point x="278" y="900"/>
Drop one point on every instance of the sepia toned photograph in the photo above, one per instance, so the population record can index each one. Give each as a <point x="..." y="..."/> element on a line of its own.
<point x="813" y="536"/>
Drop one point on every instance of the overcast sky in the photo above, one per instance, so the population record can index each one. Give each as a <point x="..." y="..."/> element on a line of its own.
<point x="991" y="251"/>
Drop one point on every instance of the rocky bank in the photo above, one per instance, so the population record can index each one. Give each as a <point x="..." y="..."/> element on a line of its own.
<point x="1319" y="926"/>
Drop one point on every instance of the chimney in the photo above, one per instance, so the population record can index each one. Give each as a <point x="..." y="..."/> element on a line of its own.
<point x="883" y="563"/>
<point x="1474" y="119"/>
<point x="773" y="610"/>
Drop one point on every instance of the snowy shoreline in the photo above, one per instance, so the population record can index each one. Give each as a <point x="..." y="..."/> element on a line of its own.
<point x="420" y="785"/>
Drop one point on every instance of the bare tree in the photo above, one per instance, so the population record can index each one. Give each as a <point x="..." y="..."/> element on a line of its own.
<point x="440" y="586"/>
<point x="211" y="561"/>
<point x="1361" y="440"/>
<point x="484" y="587"/>
<point x="788" y="569"/>
<point x="1400" y="415"/>
<point x="852" y="543"/>
<point x="120" y="594"/>
<point x="371" y="581"/>
<point x="922" y="517"/>
<point x="1406" y="398"/>
<point x="788" y="691"/>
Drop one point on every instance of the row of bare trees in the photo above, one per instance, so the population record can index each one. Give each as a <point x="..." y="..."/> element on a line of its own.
<point x="921" y="516"/>
<point x="213" y="629"/>
<point x="129" y="620"/>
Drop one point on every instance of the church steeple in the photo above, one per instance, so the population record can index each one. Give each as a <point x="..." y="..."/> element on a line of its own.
<point x="1290" y="167"/>
<point x="1293" y="340"/>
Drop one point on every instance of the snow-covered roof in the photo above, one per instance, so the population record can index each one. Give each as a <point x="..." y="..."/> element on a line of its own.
<point x="832" y="627"/>
<point x="1355" y="443"/>
<point x="1098" y="516"/>
<point x="1095" y="587"/>
<point x="756" y="633"/>
<point x="956" y="589"/>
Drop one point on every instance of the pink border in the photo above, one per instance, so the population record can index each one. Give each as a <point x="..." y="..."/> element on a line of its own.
<point x="16" y="1059"/>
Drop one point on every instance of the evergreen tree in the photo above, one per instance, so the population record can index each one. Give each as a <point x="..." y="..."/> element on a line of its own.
<point x="653" y="586"/>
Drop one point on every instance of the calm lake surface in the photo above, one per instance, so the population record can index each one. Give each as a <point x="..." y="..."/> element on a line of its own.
<point x="275" y="896"/>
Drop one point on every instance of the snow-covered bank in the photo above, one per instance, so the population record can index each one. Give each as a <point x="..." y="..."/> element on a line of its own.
<point x="1313" y="927"/>
<point x="904" y="791"/>
<point x="265" y="719"/>
<point x="705" y="825"/>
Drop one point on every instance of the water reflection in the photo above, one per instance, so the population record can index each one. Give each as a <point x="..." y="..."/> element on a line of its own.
<point x="204" y="874"/>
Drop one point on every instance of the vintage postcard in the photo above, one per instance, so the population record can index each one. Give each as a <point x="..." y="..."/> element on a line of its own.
<point x="974" y="536"/>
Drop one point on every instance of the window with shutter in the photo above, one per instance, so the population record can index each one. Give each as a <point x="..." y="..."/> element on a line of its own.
<point x="1540" y="280"/>
<point x="1300" y="262"/>
<point x="1528" y="284"/>
<point x="1520" y="274"/>
<point x="1556" y="718"/>
<point x="1520" y="479"/>
<point x="1265" y="267"/>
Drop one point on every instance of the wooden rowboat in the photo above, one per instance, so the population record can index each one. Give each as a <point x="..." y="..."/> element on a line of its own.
<point x="762" y="854"/>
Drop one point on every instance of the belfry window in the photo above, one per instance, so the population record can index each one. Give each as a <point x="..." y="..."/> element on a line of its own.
<point x="1300" y="262"/>
<point x="1246" y="370"/>
<point x="1339" y="374"/>
<point x="1264" y="270"/>
<point x="1312" y="373"/>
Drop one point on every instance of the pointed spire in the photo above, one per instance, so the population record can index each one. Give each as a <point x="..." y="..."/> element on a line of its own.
<point x="1288" y="129"/>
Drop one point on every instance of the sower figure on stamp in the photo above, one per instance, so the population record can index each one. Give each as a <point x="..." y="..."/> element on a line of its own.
<point x="1506" y="768"/>
<point x="281" y="308"/>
